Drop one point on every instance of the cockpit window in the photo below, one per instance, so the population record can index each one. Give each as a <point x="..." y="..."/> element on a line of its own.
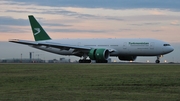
<point x="166" y="45"/>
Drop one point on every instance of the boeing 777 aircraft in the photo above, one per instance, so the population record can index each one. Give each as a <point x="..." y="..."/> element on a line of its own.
<point x="96" y="49"/>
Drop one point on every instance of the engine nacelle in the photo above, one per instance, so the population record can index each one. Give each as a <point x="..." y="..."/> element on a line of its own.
<point x="127" y="58"/>
<point x="99" y="54"/>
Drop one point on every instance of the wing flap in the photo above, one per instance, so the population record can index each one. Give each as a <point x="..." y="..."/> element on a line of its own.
<point x="63" y="46"/>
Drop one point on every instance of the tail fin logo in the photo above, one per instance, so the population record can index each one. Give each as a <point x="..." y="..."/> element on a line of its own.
<point x="38" y="31"/>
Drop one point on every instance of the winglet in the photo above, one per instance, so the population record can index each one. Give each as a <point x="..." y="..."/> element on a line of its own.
<point x="38" y="32"/>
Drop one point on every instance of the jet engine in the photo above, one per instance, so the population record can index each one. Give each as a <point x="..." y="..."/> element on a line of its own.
<point x="100" y="55"/>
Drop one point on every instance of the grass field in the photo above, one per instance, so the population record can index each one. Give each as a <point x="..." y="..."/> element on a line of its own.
<point x="89" y="82"/>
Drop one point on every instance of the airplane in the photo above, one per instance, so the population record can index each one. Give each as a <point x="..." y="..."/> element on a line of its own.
<point x="98" y="50"/>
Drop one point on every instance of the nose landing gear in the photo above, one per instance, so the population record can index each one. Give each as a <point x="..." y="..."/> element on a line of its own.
<point x="158" y="59"/>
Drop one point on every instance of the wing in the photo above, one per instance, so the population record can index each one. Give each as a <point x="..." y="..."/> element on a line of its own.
<point x="25" y="42"/>
<point x="77" y="49"/>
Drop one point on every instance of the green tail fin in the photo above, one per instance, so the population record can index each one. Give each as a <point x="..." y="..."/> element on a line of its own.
<point x="38" y="32"/>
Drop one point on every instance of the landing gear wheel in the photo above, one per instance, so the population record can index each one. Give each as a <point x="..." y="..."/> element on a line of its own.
<point x="101" y="61"/>
<point x="157" y="61"/>
<point x="84" y="61"/>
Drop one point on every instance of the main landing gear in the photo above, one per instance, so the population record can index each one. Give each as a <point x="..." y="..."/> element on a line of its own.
<point x="84" y="61"/>
<point x="101" y="61"/>
<point x="89" y="61"/>
<point x="158" y="59"/>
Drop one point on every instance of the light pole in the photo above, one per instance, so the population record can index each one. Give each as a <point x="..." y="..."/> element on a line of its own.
<point x="21" y="57"/>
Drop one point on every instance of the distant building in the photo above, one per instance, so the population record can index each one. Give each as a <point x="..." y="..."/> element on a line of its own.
<point x="22" y="61"/>
<point x="32" y="60"/>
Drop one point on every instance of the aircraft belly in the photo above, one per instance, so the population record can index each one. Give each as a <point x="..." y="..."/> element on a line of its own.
<point x="137" y="51"/>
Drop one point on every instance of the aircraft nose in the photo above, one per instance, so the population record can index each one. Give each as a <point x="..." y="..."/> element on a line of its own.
<point x="170" y="49"/>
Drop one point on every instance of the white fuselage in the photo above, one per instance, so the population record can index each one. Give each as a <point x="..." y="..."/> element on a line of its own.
<point x="122" y="47"/>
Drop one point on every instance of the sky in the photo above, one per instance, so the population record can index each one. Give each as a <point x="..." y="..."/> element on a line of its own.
<point x="89" y="19"/>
